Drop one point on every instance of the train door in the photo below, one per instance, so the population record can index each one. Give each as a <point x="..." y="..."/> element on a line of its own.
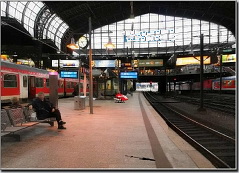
<point x="31" y="87"/>
<point x="23" y="86"/>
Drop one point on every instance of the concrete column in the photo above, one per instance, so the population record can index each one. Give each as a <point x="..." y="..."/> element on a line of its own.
<point x="53" y="96"/>
<point x="84" y="84"/>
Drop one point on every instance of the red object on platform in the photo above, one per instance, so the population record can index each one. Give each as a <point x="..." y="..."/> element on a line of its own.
<point x="121" y="97"/>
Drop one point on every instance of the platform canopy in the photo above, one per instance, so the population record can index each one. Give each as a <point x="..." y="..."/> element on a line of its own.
<point x="59" y="21"/>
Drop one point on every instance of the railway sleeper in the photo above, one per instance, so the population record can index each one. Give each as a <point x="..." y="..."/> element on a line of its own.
<point x="193" y="131"/>
<point x="201" y="135"/>
<point x="187" y="127"/>
<point x="210" y="139"/>
<point x="207" y="144"/>
<point x="230" y="161"/>
<point x="221" y="148"/>
<point x="224" y="152"/>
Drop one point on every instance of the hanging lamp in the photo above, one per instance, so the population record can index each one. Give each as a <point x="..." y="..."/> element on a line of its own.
<point x="72" y="45"/>
<point x="109" y="45"/>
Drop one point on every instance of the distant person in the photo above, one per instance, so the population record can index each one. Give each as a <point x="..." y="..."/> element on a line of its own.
<point x="131" y="91"/>
<point x="15" y="103"/>
<point x="44" y="109"/>
<point x="76" y="90"/>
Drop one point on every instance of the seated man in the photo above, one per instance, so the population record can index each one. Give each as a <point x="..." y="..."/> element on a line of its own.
<point x="15" y="103"/>
<point x="44" y="109"/>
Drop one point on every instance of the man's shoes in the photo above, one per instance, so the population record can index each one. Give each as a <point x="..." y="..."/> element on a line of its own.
<point x="62" y="122"/>
<point x="61" y="127"/>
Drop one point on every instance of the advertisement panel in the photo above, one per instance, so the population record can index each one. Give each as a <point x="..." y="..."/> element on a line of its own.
<point x="65" y="63"/>
<point x="134" y="63"/>
<point x="192" y="60"/>
<point x="150" y="63"/>
<point x="103" y="63"/>
<point x="129" y="75"/>
<point x="229" y="58"/>
<point x="69" y="74"/>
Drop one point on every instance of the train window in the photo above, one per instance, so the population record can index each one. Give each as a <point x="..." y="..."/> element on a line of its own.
<point x="10" y="81"/>
<point x="60" y="84"/>
<point x="68" y="84"/>
<point x="39" y="82"/>
<point x="72" y="84"/>
<point x="24" y="81"/>
<point x="47" y="83"/>
<point x="224" y="82"/>
<point x="229" y="83"/>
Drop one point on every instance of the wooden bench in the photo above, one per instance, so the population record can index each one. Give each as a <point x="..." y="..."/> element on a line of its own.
<point x="14" y="120"/>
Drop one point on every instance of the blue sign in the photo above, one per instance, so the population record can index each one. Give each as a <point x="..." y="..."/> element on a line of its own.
<point x="128" y="75"/>
<point x="104" y="63"/>
<point x="69" y="74"/>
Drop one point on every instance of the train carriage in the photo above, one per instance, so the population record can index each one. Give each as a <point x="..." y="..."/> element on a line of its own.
<point x="21" y="81"/>
<point x="26" y="82"/>
<point x="228" y="83"/>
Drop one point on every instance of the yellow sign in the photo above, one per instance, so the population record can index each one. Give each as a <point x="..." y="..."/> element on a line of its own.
<point x="192" y="60"/>
<point x="229" y="58"/>
<point x="134" y="63"/>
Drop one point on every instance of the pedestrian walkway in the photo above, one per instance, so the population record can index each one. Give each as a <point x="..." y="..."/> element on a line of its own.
<point x="127" y="135"/>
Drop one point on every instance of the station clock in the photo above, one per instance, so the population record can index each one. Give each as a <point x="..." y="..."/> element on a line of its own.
<point x="83" y="42"/>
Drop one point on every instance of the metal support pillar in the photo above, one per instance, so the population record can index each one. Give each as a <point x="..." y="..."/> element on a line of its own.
<point x="220" y="90"/>
<point x="84" y="84"/>
<point x="201" y="108"/>
<point x="79" y="77"/>
<point x="90" y="71"/>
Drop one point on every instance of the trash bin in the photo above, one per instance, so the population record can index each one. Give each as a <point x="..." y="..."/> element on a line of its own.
<point x="76" y="102"/>
<point x="79" y="102"/>
<point x="82" y="102"/>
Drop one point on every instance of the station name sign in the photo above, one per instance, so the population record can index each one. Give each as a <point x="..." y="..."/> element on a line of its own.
<point x="149" y="36"/>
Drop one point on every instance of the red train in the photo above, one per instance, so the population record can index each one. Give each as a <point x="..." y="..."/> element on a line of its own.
<point x="26" y="82"/>
<point x="228" y="84"/>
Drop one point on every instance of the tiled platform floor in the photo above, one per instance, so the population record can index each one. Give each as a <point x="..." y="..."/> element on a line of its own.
<point x="102" y="140"/>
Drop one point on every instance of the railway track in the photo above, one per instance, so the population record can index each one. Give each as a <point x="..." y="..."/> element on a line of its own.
<point x="217" y="147"/>
<point x="220" y="105"/>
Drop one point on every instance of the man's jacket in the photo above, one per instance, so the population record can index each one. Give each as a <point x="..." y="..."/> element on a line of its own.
<point x="43" y="108"/>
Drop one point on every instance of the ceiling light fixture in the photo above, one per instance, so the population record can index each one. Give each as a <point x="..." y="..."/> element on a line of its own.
<point x="109" y="45"/>
<point x="72" y="45"/>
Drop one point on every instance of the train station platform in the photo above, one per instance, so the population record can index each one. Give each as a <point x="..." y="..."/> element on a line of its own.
<point x="126" y="136"/>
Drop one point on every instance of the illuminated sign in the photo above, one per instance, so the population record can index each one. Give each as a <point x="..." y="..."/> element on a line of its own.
<point x="118" y="63"/>
<point x="229" y="58"/>
<point x="104" y="63"/>
<point x="129" y="75"/>
<point x="148" y="36"/>
<point x="134" y="63"/>
<point x="25" y="62"/>
<point x="126" y="64"/>
<point x="65" y="63"/>
<point x="69" y="74"/>
<point x="150" y="63"/>
<point x="192" y="60"/>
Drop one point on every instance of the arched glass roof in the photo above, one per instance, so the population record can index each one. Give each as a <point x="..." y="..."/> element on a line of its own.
<point x="26" y="13"/>
<point x="185" y="30"/>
